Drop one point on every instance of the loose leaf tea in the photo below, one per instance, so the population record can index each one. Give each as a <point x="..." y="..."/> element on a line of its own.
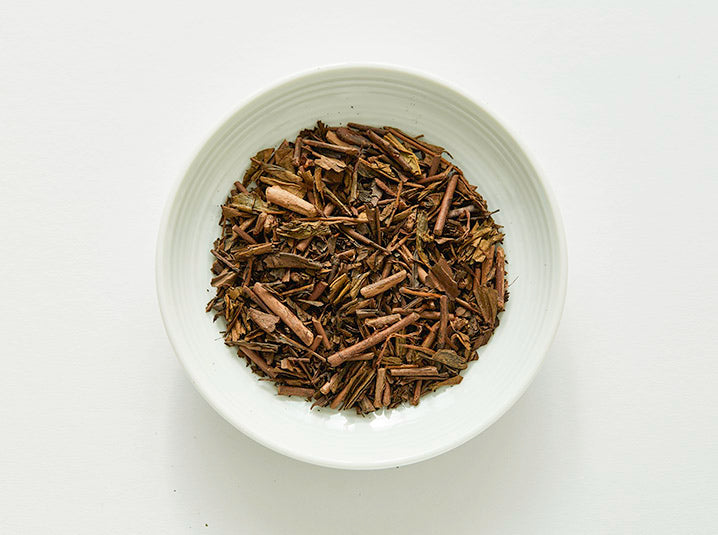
<point x="357" y="268"/>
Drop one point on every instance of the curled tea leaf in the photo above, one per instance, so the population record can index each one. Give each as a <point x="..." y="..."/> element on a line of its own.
<point x="303" y="229"/>
<point x="407" y="155"/>
<point x="449" y="357"/>
<point x="290" y="260"/>
<point x="266" y="322"/>
<point x="247" y="203"/>
<point x="330" y="164"/>
<point x="256" y="165"/>
<point x="487" y="298"/>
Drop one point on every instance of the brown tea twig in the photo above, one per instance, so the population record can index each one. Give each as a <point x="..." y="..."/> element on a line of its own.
<point x="435" y="162"/>
<point x="318" y="290"/>
<point x="386" y="401"/>
<point x="443" y="319"/>
<point x="455" y="380"/>
<point x="362" y="356"/>
<point x="423" y="147"/>
<point x="339" y="399"/>
<point x="378" y="337"/>
<point x="365" y="404"/>
<point x="362" y="239"/>
<point x="297" y="151"/>
<point x="417" y="392"/>
<point x="285" y="390"/>
<point x="435" y="178"/>
<point x="315" y="344"/>
<point x="500" y="282"/>
<point x="457" y="212"/>
<point x="331" y="384"/>
<point x="259" y="361"/>
<point x="379" y="387"/>
<point x="283" y="198"/>
<point x="347" y="136"/>
<point x="249" y="293"/>
<point x="382" y="321"/>
<point x="414" y="372"/>
<point x="445" y="204"/>
<point x="366" y="128"/>
<point x="320" y="329"/>
<point x="286" y="315"/>
<point x="243" y="233"/>
<point x="419" y="293"/>
<point x="383" y="284"/>
<point x="389" y="150"/>
<point x="429" y="340"/>
<point x="240" y="188"/>
<point x="354" y="151"/>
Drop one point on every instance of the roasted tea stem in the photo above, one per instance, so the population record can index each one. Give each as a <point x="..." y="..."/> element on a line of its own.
<point x="286" y="315"/>
<point x="280" y="197"/>
<point x="445" y="204"/>
<point x="378" y="337"/>
<point x="383" y="284"/>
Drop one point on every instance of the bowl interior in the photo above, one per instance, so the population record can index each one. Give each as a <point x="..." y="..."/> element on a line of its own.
<point x="489" y="157"/>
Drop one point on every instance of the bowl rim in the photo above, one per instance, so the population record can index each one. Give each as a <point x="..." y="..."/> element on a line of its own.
<point x="173" y="334"/>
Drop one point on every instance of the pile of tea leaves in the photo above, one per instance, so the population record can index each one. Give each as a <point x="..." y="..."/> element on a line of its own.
<point x="357" y="268"/>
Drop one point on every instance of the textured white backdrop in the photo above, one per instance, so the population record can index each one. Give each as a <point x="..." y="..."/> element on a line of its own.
<point x="101" y="107"/>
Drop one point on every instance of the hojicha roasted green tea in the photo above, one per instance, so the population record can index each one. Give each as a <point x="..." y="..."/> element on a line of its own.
<point x="357" y="268"/>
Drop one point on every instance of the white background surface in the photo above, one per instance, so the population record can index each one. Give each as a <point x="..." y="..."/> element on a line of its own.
<point x="102" y="106"/>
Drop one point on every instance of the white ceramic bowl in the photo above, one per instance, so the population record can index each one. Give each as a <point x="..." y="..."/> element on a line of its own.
<point x="489" y="156"/>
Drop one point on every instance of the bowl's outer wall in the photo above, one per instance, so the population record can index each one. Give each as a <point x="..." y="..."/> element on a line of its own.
<point x="490" y="158"/>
